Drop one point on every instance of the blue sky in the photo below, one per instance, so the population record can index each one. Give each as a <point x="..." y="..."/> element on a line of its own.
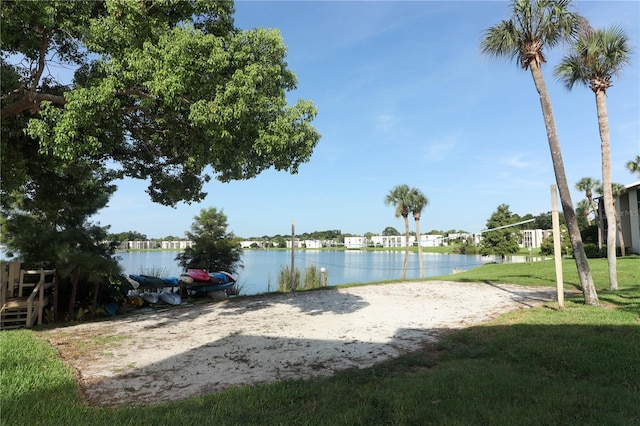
<point x="404" y="96"/>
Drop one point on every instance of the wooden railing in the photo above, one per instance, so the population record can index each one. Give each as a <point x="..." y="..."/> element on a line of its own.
<point x="36" y="300"/>
<point x="23" y="296"/>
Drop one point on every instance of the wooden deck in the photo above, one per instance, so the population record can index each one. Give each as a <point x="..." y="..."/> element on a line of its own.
<point x="22" y="295"/>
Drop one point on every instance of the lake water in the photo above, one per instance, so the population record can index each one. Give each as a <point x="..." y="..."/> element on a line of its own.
<point x="262" y="267"/>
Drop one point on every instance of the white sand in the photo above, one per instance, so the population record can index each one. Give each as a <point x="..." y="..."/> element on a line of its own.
<point x="205" y="348"/>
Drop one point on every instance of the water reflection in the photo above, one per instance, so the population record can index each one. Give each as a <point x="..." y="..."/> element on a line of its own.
<point x="262" y="267"/>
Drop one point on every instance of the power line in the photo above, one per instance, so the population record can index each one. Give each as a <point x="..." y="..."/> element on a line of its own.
<point x="507" y="226"/>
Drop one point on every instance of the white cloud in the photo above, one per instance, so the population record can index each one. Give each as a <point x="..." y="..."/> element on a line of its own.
<point x="440" y="149"/>
<point x="385" y="121"/>
<point x="518" y="161"/>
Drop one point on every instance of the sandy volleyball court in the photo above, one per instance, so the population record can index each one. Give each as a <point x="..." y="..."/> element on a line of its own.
<point x="191" y="350"/>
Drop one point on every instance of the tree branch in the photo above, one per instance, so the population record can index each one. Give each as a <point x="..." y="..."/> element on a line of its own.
<point x="44" y="47"/>
<point x="30" y="102"/>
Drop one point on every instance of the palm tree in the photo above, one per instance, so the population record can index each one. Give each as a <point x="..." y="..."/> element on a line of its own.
<point x="634" y="165"/>
<point x="534" y="24"/>
<point x="587" y="184"/>
<point x="597" y="56"/>
<point x="400" y="198"/>
<point x="418" y="202"/>
<point x="583" y="206"/>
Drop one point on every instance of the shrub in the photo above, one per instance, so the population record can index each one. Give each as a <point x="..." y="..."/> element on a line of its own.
<point x="284" y="279"/>
<point x="312" y="278"/>
<point x="590" y="234"/>
<point x="592" y="251"/>
<point x="546" y="248"/>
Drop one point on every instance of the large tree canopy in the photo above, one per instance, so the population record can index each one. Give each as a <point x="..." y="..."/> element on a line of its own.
<point x="501" y="239"/>
<point x="215" y="248"/>
<point x="168" y="91"/>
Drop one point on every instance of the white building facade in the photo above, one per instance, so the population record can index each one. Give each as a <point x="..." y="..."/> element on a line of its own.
<point x="176" y="244"/>
<point x="391" y="241"/>
<point x="138" y="245"/>
<point x="628" y="207"/>
<point x="310" y="244"/>
<point x="532" y="238"/>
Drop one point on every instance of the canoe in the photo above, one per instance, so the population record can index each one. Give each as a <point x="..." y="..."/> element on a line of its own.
<point x="150" y="297"/>
<point x="198" y="274"/>
<point x="206" y="287"/>
<point x="221" y="277"/>
<point x="148" y="281"/>
<point x="185" y="279"/>
<point x="170" y="298"/>
<point x="171" y="281"/>
<point x="203" y="282"/>
<point x="202" y="276"/>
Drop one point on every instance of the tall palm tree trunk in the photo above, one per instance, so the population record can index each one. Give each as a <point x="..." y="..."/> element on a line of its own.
<point x="417" y="220"/>
<point x="623" y="251"/>
<point x="600" y="226"/>
<point x="582" y="265"/>
<point x="406" y="248"/>
<point x="598" y="219"/>
<point x="609" y="208"/>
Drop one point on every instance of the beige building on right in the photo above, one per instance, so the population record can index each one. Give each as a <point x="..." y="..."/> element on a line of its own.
<point x="628" y="206"/>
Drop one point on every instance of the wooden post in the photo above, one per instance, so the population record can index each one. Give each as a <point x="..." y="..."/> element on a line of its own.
<point x="557" y="245"/>
<point x="293" y="248"/>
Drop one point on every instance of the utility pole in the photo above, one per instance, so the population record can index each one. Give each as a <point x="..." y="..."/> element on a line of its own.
<point x="293" y="248"/>
<point x="557" y="245"/>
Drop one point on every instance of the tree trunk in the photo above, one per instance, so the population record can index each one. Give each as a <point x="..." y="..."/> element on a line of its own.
<point x="582" y="265"/>
<point x="417" y="219"/>
<point x="75" y="277"/>
<point x="597" y="218"/>
<point x="609" y="208"/>
<point x="94" y="304"/>
<point x="56" y="294"/>
<point x="623" y="251"/>
<point x="406" y="248"/>
<point x="593" y="206"/>
<point x="600" y="226"/>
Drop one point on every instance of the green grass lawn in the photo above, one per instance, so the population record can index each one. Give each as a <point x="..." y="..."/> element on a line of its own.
<point x="579" y="365"/>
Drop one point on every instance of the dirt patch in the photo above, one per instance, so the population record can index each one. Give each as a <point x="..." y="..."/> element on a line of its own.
<point x="205" y="348"/>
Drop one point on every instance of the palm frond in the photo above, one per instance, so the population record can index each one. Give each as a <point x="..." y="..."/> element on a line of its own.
<point x="534" y="24"/>
<point x="596" y="57"/>
<point x="570" y="71"/>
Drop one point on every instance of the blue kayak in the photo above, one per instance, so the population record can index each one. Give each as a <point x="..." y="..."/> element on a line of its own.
<point x="154" y="282"/>
<point x="206" y="287"/>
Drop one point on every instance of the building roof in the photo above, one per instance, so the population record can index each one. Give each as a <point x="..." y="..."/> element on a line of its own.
<point x="632" y="185"/>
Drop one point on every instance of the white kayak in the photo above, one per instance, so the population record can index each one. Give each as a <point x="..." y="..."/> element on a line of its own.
<point x="151" y="297"/>
<point x="170" y="298"/>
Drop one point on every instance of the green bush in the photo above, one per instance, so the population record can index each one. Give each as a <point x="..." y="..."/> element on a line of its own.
<point x="590" y="234"/>
<point x="284" y="279"/>
<point x="593" y="252"/>
<point x="546" y="248"/>
<point x="465" y="248"/>
<point x="312" y="279"/>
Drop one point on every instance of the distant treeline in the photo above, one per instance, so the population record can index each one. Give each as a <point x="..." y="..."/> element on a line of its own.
<point x="542" y="221"/>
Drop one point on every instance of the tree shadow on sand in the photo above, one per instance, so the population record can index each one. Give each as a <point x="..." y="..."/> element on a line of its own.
<point x="239" y="360"/>
<point x="308" y="302"/>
